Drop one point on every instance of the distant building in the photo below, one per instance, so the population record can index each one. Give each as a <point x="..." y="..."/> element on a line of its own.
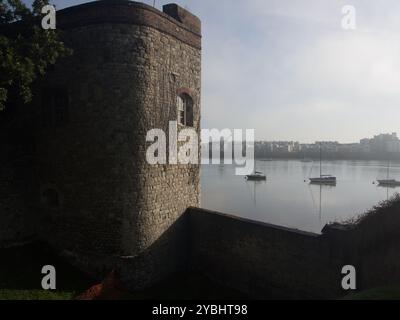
<point x="365" y="146"/>
<point x="328" y="146"/>
<point x="350" y="148"/>
<point x="383" y="143"/>
<point x="375" y="147"/>
<point x="285" y="146"/>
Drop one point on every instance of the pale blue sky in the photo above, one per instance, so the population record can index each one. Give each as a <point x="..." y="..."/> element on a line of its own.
<point x="287" y="69"/>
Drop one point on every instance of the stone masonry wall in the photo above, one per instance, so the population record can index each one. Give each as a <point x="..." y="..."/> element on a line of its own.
<point x="114" y="209"/>
<point x="262" y="260"/>
<point x="268" y="261"/>
<point x="16" y="216"/>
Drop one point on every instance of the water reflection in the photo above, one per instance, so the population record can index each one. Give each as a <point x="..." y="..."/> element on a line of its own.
<point x="319" y="206"/>
<point x="254" y="187"/>
<point x="287" y="199"/>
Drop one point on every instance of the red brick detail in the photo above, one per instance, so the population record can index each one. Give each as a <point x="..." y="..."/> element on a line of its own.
<point x="188" y="91"/>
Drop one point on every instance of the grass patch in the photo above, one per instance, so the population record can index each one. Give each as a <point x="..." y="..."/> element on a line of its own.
<point x="384" y="293"/>
<point x="14" y="294"/>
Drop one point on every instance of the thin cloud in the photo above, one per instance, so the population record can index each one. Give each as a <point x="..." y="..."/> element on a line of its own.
<point x="288" y="70"/>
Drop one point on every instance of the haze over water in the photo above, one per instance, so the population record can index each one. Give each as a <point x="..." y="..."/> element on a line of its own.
<point x="286" y="200"/>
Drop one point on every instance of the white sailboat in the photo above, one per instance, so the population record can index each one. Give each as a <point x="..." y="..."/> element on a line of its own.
<point x="388" y="182"/>
<point x="323" y="178"/>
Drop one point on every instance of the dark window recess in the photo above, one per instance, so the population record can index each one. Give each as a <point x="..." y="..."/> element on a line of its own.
<point x="185" y="110"/>
<point x="189" y="113"/>
<point x="54" y="106"/>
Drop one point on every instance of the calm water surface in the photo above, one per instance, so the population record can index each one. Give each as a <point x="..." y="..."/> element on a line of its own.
<point x="286" y="200"/>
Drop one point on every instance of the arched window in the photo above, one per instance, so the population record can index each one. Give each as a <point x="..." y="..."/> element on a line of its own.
<point x="185" y="110"/>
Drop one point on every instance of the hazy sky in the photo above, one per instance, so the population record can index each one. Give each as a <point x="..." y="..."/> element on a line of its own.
<point x="289" y="70"/>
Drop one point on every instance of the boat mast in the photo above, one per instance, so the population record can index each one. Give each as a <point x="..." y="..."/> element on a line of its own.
<point x="388" y="170"/>
<point x="320" y="202"/>
<point x="320" y="160"/>
<point x="255" y="200"/>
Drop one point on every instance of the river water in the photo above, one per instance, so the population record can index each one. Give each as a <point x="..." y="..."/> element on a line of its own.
<point x="287" y="200"/>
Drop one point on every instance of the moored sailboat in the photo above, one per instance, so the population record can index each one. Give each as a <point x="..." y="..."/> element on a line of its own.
<point x="323" y="178"/>
<point x="256" y="176"/>
<point x="388" y="182"/>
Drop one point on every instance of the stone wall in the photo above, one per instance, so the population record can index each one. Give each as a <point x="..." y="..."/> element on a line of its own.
<point x="101" y="203"/>
<point x="262" y="260"/>
<point x="268" y="261"/>
<point x="16" y="148"/>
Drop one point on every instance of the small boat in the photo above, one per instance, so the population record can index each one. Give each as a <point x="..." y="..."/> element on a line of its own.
<point x="269" y="159"/>
<point x="323" y="179"/>
<point x="389" y="183"/>
<point x="256" y="176"/>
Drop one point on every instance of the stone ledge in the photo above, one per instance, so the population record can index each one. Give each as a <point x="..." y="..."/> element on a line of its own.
<point x="129" y="12"/>
<point x="252" y="222"/>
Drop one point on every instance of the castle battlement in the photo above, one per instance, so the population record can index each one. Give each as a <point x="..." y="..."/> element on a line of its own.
<point x="174" y="20"/>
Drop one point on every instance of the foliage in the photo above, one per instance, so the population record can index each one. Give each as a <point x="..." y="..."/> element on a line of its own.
<point x="26" y="49"/>
<point x="377" y="228"/>
<point x="388" y="209"/>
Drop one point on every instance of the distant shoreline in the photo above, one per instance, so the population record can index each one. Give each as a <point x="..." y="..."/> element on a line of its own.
<point x="316" y="159"/>
<point x="325" y="157"/>
<point x="328" y="157"/>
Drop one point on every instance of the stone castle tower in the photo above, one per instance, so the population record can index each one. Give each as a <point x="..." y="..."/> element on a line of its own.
<point x="95" y="197"/>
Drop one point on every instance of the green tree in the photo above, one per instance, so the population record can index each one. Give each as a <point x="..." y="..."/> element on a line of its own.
<point x="26" y="49"/>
